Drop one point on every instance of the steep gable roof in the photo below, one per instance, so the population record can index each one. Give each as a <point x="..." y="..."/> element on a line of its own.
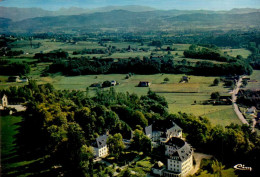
<point x="101" y="141"/>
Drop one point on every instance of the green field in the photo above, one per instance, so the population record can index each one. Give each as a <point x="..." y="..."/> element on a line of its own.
<point x="180" y="96"/>
<point x="235" y="52"/>
<point x="254" y="82"/>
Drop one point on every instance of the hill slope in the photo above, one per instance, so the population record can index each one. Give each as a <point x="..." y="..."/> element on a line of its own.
<point x="137" y="21"/>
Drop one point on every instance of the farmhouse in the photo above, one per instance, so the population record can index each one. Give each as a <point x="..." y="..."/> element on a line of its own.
<point x="100" y="146"/>
<point x="251" y="110"/>
<point x="3" y="102"/>
<point x="184" y="79"/>
<point x="23" y="80"/>
<point x="113" y="83"/>
<point x="14" y="79"/>
<point x="144" y="84"/>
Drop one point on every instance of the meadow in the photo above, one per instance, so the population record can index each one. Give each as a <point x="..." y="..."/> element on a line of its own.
<point x="234" y="52"/>
<point x="181" y="97"/>
<point x="254" y="82"/>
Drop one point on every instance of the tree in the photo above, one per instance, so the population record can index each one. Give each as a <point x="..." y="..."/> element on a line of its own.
<point x="217" y="168"/>
<point x="141" y="142"/>
<point x="244" y="82"/>
<point x="139" y="119"/>
<point x="166" y="79"/>
<point x="106" y="84"/>
<point x="215" y="95"/>
<point x="115" y="145"/>
<point x="216" y="82"/>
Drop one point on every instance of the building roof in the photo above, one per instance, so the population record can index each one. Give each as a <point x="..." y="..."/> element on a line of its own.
<point x="2" y="95"/>
<point x="164" y="128"/>
<point x="100" y="141"/>
<point x="182" y="149"/>
<point x="148" y="130"/>
<point x="252" y="109"/>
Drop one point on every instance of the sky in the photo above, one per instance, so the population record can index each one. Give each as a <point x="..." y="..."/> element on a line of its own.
<point x="158" y="4"/>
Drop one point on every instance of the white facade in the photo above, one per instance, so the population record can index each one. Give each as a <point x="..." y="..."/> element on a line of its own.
<point x="180" y="167"/>
<point x="3" y="102"/>
<point x="101" y="152"/>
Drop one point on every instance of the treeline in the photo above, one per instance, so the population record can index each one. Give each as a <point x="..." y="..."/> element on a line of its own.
<point x="206" y="53"/>
<point x="91" y="51"/>
<point x="254" y="58"/>
<point x="85" y="66"/>
<point x="8" y="68"/>
<point x="64" y="123"/>
<point x="249" y="98"/>
<point x="56" y="54"/>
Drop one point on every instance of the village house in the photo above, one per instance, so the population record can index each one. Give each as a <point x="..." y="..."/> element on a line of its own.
<point x="251" y="110"/>
<point x="113" y="83"/>
<point x="13" y="79"/>
<point x="23" y="79"/>
<point x="144" y="84"/>
<point x="3" y="102"/>
<point x="100" y="146"/>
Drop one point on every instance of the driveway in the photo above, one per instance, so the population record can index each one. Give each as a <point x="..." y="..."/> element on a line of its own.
<point x="234" y="99"/>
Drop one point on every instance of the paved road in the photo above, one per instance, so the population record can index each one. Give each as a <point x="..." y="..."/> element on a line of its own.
<point x="234" y="98"/>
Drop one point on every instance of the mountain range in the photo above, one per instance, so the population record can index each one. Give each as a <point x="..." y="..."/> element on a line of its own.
<point x="125" y="18"/>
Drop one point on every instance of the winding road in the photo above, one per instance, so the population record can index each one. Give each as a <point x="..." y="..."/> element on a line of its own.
<point x="234" y="98"/>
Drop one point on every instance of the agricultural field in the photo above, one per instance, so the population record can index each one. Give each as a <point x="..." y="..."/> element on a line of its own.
<point x="181" y="97"/>
<point x="235" y="52"/>
<point x="254" y="82"/>
<point x="48" y="45"/>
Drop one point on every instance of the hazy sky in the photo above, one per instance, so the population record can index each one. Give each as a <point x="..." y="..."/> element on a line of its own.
<point x="159" y="4"/>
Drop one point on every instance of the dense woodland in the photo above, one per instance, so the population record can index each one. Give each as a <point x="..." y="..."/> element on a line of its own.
<point x="63" y="124"/>
<point x="19" y="68"/>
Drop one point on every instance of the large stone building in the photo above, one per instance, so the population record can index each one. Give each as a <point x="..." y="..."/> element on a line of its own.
<point x="100" y="146"/>
<point x="179" y="158"/>
<point x="179" y="154"/>
<point x="159" y="135"/>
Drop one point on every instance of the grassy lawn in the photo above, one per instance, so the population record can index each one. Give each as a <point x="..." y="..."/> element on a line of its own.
<point x="234" y="52"/>
<point x="180" y="96"/>
<point x="255" y="76"/>
<point x="223" y="117"/>
<point x="130" y="54"/>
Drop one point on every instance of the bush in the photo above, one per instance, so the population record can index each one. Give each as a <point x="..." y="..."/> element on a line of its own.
<point x="215" y="95"/>
<point x="166" y="79"/>
<point x="216" y="81"/>
<point x="106" y="84"/>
